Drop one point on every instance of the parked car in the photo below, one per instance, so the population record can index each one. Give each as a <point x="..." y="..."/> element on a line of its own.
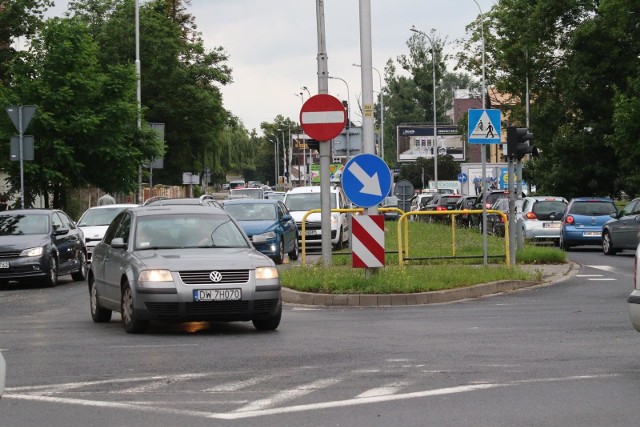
<point x="390" y="202"/>
<point x="622" y="231"/>
<point x="300" y="200"/>
<point x="633" y="302"/>
<point x="94" y="222"/>
<point x="495" y="222"/>
<point x="492" y="196"/>
<point x="419" y="202"/>
<point x="40" y="244"/>
<point x="583" y="221"/>
<point x="246" y="193"/>
<point x="542" y="218"/>
<point x="181" y="263"/>
<point x="204" y="200"/>
<point x="442" y="202"/>
<point x="275" y="195"/>
<point x="269" y="225"/>
<point x="464" y="203"/>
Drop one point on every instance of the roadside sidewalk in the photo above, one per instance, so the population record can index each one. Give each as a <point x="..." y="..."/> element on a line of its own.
<point x="548" y="274"/>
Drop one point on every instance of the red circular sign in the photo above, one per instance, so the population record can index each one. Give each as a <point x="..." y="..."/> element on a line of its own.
<point x="323" y="117"/>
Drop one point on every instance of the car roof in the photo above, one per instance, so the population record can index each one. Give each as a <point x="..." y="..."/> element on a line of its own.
<point x="592" y="199"/>
<point x="546" y="198"/>
<point x="34" y="210"/>
<point x="310" y="189"/>
<point x="251" y="201"/>
<point x="150" y="210"/>
<point x="115" y="205"/>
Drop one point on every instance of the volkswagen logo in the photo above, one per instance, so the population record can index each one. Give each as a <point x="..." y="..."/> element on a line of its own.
<point x="215" y="276"/>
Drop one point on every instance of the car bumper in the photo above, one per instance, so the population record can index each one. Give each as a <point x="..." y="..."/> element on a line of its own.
<point x="634" y="309"/>
<point x="578" y="236"/>
<point x="21" y="268"/>
<point x="177" y="303"/>
<point x="541" y="233"/>
<point x="269" y="249"/>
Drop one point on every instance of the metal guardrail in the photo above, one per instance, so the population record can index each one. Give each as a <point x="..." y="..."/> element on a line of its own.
<point x="303" y="230"/>
<point x="403" y="250"/>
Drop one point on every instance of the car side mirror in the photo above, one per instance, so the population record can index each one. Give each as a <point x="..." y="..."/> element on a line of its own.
<point x="287" y="217"/>
<point x="60" y="231"/>
<point x="118" y="243"/>
<point x="614" y="215"/>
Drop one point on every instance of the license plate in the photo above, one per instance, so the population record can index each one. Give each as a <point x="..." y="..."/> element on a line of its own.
<point x="551" y="225"/>
<point x="217" y="295"/>
<point x="591" y="233"/>
<point x="311" y="232"/>
<point x="4" y="264"/>
<point x="89" y="249"/>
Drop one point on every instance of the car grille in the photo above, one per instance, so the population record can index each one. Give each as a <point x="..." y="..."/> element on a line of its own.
<point x="202" y="277"/>
<point x="9" y="254"/>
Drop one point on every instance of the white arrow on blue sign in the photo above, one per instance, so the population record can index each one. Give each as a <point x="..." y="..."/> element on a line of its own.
<point x="366" y="180"/>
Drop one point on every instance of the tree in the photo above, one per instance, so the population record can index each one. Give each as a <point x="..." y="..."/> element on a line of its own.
<point x="84" y="115"/>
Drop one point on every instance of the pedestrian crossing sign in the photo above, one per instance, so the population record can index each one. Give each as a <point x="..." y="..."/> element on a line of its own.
<point x="484" y="127"/>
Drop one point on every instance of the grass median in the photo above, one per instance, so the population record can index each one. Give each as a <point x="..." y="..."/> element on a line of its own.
<point x="432" y="268"/>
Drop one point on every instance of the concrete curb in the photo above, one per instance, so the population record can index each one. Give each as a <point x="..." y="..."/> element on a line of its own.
<point x="550" y="274"/>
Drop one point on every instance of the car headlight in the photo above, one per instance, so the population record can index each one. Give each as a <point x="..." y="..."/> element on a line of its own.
<point x="33" y="251"/>
<point x="269" y="235"/>
<point x="263" y="273"/>
<point x="155" y="276"/>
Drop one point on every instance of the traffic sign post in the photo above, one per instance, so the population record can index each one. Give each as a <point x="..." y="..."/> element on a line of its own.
<point x="366" y="180"/>
<point x="404" y="191"/>
<point x="20" y="117"/>
<point x="323" y="117"/>
<point x="367" y="248"/>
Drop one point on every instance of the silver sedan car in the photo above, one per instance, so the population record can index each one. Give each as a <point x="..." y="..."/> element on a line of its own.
<point x="633" y="302"/>
<point x="181" y="263"/>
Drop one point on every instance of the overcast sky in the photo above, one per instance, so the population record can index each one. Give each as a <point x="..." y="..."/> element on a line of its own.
<point x="273" y="45"/>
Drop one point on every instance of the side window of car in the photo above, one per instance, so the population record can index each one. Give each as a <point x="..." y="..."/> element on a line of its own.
<point x="109" y="235"/>
<point x="56" y="221"/>
<point x="66" y="221"/>
<point x="636" y="208"/>
<point x="124" y="228"/>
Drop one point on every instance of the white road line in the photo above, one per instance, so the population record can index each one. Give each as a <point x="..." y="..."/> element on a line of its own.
<point x="144" y="388"/>
<point x="392" y="388"/>
<point x="588" y="275"/>
<point x="237" y="385"/>
<point x="285" y="395"/>
<point x="602" y="267"/>
<point x="604" y="279"/>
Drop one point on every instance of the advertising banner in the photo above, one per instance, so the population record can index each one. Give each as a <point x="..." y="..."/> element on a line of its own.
<point x="418" y="141"/>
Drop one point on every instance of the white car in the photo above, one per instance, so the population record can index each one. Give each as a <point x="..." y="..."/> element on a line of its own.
<point x="634" y="299"/>
<point x="300" y="200"/>
<point x="95" y="221"/>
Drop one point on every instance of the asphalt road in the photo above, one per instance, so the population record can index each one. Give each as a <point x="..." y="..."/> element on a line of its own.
<point x="561" y="355"/>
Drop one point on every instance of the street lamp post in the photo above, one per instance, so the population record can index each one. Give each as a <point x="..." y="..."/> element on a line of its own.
<point x="138" y="91"/>
<point x="381" y="111"/>
<point x="435" y="132"/>
<point x="304" y="143"/>
<point x="348" y="115"/>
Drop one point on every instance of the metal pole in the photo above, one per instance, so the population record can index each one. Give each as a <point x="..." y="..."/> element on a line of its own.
<point x="325" y="148"/>
<point x="381" y="111"/>
<point x="138" y="91"/>
<point x="348" y="114"/>
<point x="304" y="143"/>
<point x="21" y="133"/>
<point x="435" y="130"/>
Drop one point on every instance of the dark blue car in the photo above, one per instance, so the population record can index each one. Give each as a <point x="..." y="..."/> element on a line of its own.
<point x="583" y="220"/>
<point x="268" y="224"/>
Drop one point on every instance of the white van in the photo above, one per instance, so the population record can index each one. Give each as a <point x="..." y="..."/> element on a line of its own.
<point x="300" y="200"/>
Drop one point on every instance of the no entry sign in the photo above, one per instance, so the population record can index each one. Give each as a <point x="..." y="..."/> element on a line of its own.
<point x="323" y="117"/>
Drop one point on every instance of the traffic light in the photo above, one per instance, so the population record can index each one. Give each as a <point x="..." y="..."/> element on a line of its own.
<point x="518" y="144"/>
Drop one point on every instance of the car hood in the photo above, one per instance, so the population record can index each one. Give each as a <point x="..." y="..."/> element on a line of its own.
<point x="257" y="227"/>
<point x="8" y="243"/>
<point x="298" y="215"/>
<point x="199" y="258"/>
<point x="94" y="231"/>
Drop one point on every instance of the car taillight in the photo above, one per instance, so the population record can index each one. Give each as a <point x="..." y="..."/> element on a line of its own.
<point x="441" y="208"/>
<point x="530" y="215"/>
<point x="488" y="205"/>
<point x="569" y="219"/>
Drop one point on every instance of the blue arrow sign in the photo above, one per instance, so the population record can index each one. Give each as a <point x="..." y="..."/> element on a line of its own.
<point x="484" y="127"/>
<point x="462" y="178"/>
<point x="366" y="180"/>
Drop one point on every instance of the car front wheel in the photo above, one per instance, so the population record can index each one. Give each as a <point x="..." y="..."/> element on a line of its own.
<point x="130" y="321"/>
<point x="607" y="244"/>
<point x="269" y="323"/>
<point x="81" y="274"/>
<point x="295" y="253"/>
<point x="52" y="274"/>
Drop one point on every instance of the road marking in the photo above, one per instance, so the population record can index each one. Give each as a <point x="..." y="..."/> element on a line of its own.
<point x="604" y="279"/>
<point x="285" y="395"/>
<point x="588" y="275"/>
<point x="144" y="388"/>
<point x="392" y="388"/>
<point x="237" y="385"/>
<point x="602" y="267"/>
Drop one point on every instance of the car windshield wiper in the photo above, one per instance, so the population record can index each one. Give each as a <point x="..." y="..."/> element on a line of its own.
<point x="155" y="248"/>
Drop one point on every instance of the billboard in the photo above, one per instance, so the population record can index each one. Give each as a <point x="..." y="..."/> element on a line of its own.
<point x="418" y="141"/>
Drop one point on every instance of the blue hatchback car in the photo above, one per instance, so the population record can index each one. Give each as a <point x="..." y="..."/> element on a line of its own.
<point x="583" y="220"/>
<point x="269" y="226"/>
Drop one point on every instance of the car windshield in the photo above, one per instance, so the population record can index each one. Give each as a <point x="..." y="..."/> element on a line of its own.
<point x="253" y="193"/>
<point x="99" y="216"/>
<point x="252" y="211"/>
<point x="306" y="201"/>
<point x="593" y="208"/>
<point x="192" y="231"/>
<point x="21" y="224"/>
